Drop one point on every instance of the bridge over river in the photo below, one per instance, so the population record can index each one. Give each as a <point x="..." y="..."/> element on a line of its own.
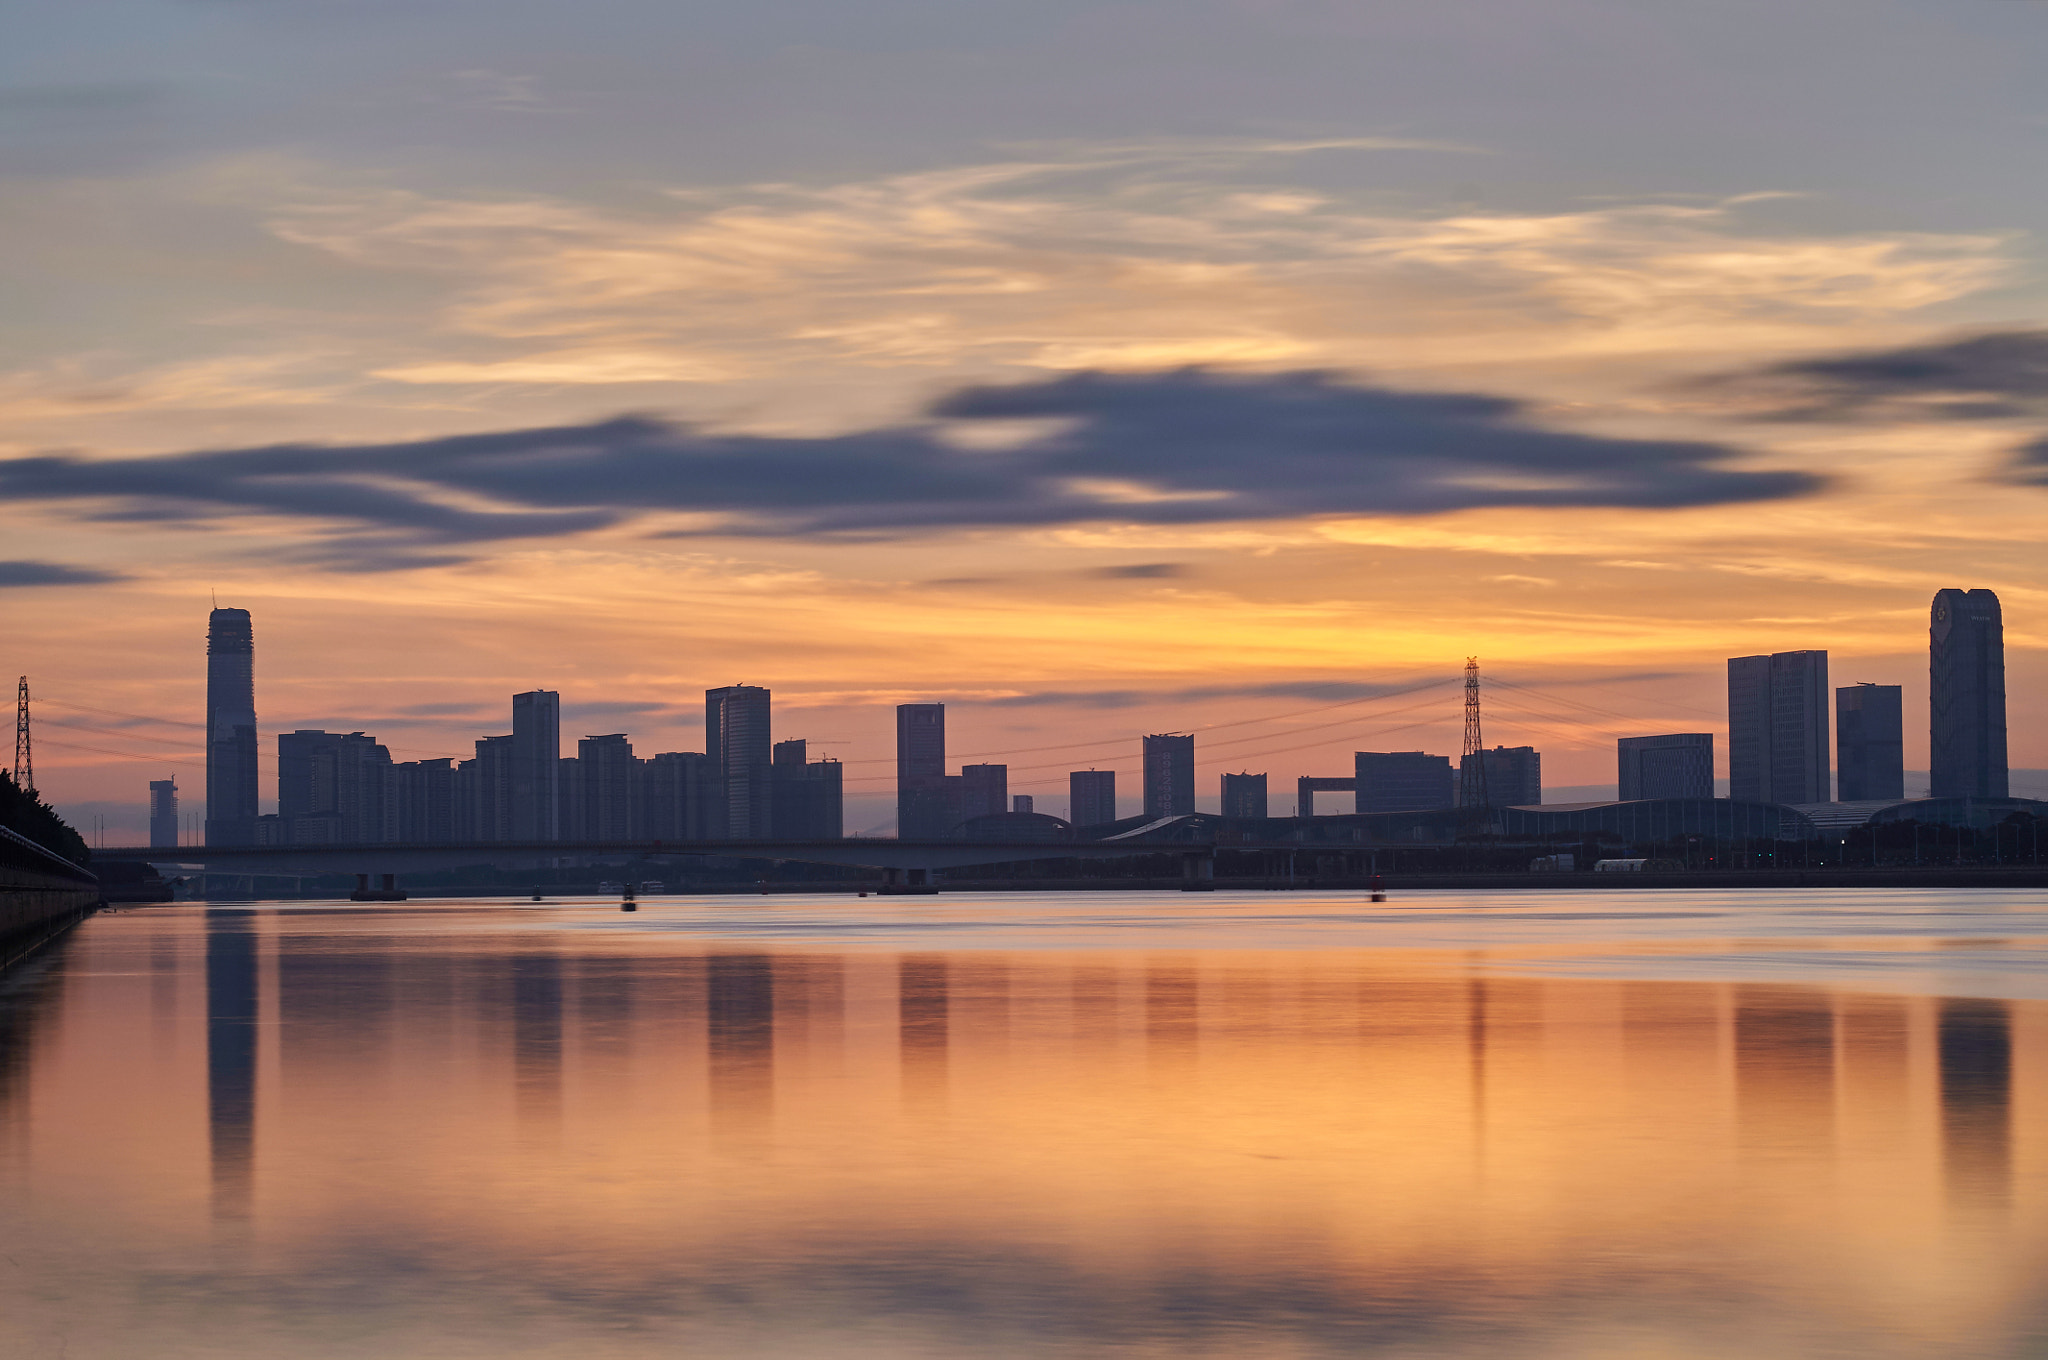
<point x="903" y="862"/>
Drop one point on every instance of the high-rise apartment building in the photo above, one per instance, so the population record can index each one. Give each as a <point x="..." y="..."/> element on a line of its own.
<point x="810" y="796"/>
<point x="682" y="797"/>
<point x="536" y="809"/>
<point x="923" y="807"/>
<point x="1966" y="693"/>
<point x="1244" y="795"/>
<point x="423" y="799"/>
<point x="984" y="792"/>
<point x="1513" y="775"/>
<point x="736" y="736"/>
<point x="1022" y="802"/>
<point x="1870" y="742"/>
<point x="1674" y="765"/>
<point x="1169" y="774"/>
<point x="607" y="779"/>
<point x="1402" y="781"/>
<point x="231" y="793"/>
<point x="333" y="788"/>
<point x="1778" y="728"/>
<point x="163" y="813"/>
<point x="1091" y="797"/>
<point x="490" y="788"/>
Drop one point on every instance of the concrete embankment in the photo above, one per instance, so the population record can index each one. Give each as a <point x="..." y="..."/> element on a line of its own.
<point x="41" y="896"/>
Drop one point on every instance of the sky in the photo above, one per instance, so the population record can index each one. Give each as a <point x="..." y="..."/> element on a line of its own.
<point x="1228" y="366"/>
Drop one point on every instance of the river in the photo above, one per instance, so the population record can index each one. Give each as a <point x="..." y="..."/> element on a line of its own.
<point x="1230" y="1124"/>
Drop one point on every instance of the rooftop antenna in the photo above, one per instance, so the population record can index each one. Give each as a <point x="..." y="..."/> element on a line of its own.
<point x="24" y="753"/>
<point x="1472" y="786"/>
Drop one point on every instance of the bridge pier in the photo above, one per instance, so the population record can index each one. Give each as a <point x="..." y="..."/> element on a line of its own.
<point x="917" y="881"/>
<point x="386" y="890"/>
<point x="1198" y="871"/>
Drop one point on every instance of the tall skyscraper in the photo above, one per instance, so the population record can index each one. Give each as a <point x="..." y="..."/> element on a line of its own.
<point x="923" y="808"/>
<point x="1402" y="781"/>
<point x="1513" y="775"/>
<point x="1778" y="728"/>
<point x="163" y="813"/>
<point x="536" y="766"/>
<point x="1675" y="765"/>
<point x="1244" y="795"/>
<point x="1870" y="742"/>
<point x="1169" y="775"/>
<point x="1091" y="797"/>
<point x="230" y="728"/>
<point x="736" y="735"/>
<point x="1966" y="692"/>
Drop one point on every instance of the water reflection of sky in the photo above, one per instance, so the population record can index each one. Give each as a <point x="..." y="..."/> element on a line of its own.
<point x="1042" y="1126"/>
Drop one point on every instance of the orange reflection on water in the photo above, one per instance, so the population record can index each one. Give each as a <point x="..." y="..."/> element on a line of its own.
<point x="333" y="1134"/>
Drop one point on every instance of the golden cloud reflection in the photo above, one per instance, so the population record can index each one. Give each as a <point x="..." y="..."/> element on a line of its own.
<point x="305" y="1134"/>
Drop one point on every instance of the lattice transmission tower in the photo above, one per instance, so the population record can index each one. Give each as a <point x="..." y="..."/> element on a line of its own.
<point x="1472" y="765"/>
<point x="24" y="752"/>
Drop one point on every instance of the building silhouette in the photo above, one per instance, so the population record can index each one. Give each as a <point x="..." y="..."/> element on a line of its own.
<point x="332" y="789"/>
<point x="736" y="737"/>
<point x="1021" y="802"/>
<point x="923" y="805"/>
<point x="1870" y="748"/>
<point x="163" y="813"/>
<point x="605" y="794"/>
<point x="423" y="802"/>
<point x="535" y="810"/>
<point x="1966" y="696"/>
<point x="682" y="798"/>
<point x="1513" y="775"/>
<point x="1402" y="781"/>
<point x="1244" y="795"/>
<point x="1778" y="728"/>
<point x="1169" y="774"/>
<point x="1091" y="797"/>
<point x="231" y="793"/>
<point x="1674" y="765"/>
<point x="809" y="794"/>
<point x="984" y="792"/>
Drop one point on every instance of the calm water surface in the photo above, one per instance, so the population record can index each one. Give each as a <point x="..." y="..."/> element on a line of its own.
<point x="1595" y="1124"/>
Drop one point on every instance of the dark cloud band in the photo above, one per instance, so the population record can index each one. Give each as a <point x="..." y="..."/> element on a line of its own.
<point x="1185" y="447"/>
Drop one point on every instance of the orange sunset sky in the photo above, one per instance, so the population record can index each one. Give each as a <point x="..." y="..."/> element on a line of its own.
<point x="1094" y="369"/>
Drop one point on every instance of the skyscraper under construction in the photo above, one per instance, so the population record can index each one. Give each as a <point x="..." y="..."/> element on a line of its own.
<point x="230" y="728"/>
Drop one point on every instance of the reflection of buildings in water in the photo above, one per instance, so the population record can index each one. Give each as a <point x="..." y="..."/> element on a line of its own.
<point x="740" y="1019"/>
<point x="1172" y="1014"/>
<point x="163" y="994"/>
<point x="1975" y="1047"/>
<point x="231" y="1038"/>
<point x="1785" y="1070"/>
<point x="335" y="1011"/>
<point x="604" y="990"/>
<point x="537" y="1037"/>
<point x="923" y="1028"/>
<point x="31" y="1000"/>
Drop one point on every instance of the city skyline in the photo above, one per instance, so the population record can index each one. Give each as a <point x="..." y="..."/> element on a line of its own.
<point x="570" y="804"/>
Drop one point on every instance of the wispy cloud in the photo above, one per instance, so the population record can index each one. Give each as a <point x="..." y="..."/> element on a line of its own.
<point x="20" y="573"/>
